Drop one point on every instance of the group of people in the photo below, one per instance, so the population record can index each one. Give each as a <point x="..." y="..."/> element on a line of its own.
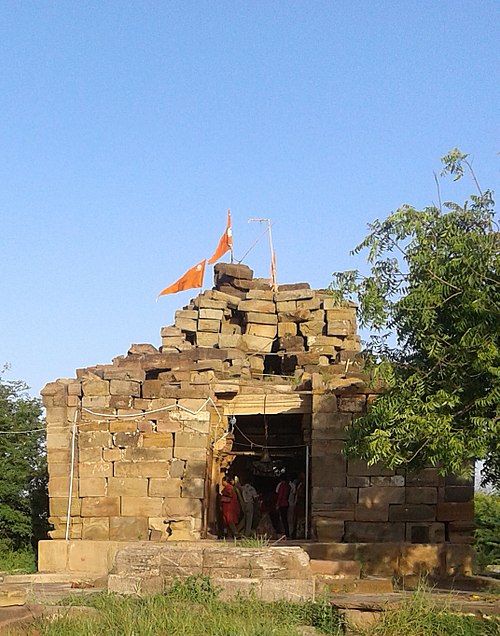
<point x="242" y="511"/>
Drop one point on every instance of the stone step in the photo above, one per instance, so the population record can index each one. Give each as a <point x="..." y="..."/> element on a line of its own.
<point x="337" y="569"/>
<point x="10" y="595"/>
<point x="330" y="551"/>
<point x="372" y="585"/>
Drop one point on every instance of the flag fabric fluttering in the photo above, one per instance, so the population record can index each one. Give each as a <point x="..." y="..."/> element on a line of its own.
<point x="192" y="278"/>
<point x="226" y="242"/>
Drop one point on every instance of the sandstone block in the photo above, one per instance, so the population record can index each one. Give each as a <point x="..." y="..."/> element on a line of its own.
<point x="90" y="454"/>
<point x="151" y="388"/>
<point x="339" y="328"/>
<point x="256" y="343"/>
<point x="409" y="512"/>
<point x="211" y="314"/>
<point x="100" y="506"/>
<point x="373" y="532"/>
<point x="287" y="329"/>
<point x="205" y="339"/>
<point x="141" y="469"/>
<point x="355" y="481"/>
<point x="381" y="495"/>
<point x="295" y="590"/>
<point x="164" y="487"/>
<point x="126" y="439"/>
<point x="328" y="529"/>
<point x="173" y="508"/>
<point x="260" y="294"/>
<point x="193" y="488"/>
<point x="233" y="270"/>
<point x="157" y="440"/>
<point x="204" y="324"/>
<point x="127" y="486"/>
<point x="95" y="528"/>
<point x="388" y="480"/>
<point x="59" y="506"/>
<point x="459" y="560"/>
<point x="257" y="306"/>
<point x="354" y="404"/>
<point x="294" y="294"/>
<point x="229" y="340"/>
<point x="95" y="469"/>
<point x="128" y="529"/>
<point x="261" y="319"/>
<point x="424" y="477"/>
<point x="459" y="494"/>
<point x="265" y="331"/>
<point x="141" y="506"/>
<point x="359" y="467"/>
<point x="455" y="511"/>
<point x="370" y="512"/>
<point x="187" y="452"/>
<point x="92" y="487"/>
<point x="421" y="495"/>
<point x="95" y="388"/>
<point x="285" y="306"/>
<point x="125" y="387"/>
<point x="312" y="328"/>
<point x="59" y="486"/>
<point x="112" y="454"/>
<point x="326" y="403"/>
<point x="147" y="454"/>
<point x="176" y="468"/>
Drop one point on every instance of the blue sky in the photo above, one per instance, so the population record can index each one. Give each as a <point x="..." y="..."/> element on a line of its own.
<point x="128" y="128"/>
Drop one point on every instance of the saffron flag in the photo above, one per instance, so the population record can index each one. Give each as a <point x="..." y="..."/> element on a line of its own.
<point x="226" y="242"/>
<point x="192" y="278"/>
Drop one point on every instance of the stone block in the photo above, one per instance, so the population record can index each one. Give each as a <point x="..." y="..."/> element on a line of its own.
<point x="339" y="328"/>
<point x="459" y="494"/>
<point x="262" y="318"/>
<point x="127" y="486"/>
<point x="326" y="403"/>
<point x="95" y="388"/>
<point x="157" y="440"/>
<point x="388" y="480"/>
<point x="212" y="326"/>
<point x="141" y="469"/>
<point x="360" y="467"/>
<point x="265" y="331"/>
<point x="257" y="306"/>
<point x="125" y="388"/>
<point x="455" y="511"/>
<point x="164" y="487"/>
<point x="176" y="468"/>
<point x="379" y="559"/>
<point x="334" y="495"/>
<point x="91" y="454"/>
<point x="421" y="495"/>
<point x="123" y="426"/>
<point x="352" y="404"/>
<point x="192" y="440"/>
<point x="188" y="453"/>
<point x="233" y="270"/>
<point x="193" y="488"/>
<point x="311" y="328"/>
<point x="207" y="339"/>
<point x="128" y="529"/>
<point x="96" y="528"/>
<point x="92" y="487"/>
<point x="459" y="560"/>
<point x="294" y="590"/>
<point x="147" y="454"/>
<point x="95" y="469"/>
<point x="381" y="495"/>
<point x="173" y="508"/>
<point x="294" y="294"/>
<point x="95" y="439"/>
<point x="461" y="532"/>
<point x="425" y="532"/>
<point x="229" y="340"/>
<point x="100" y="507"/>
<point x="327" y="529"/>
<point x="369" y="512"/>
<point x="373" y="532"/>
<point x="59" y="486"/>
<point x="415" y="512"/>
<point x="151" y="388"/>
<point x="59" y="506"/>
<point x="113" y="454"/>
<point x="287" y="329"/>
<point x="141" y="506"/>
<point x="256" y="343"/>
<point x="211" y="314"/>
<point x="424" y="477"/>
<point x="355" y="481"/>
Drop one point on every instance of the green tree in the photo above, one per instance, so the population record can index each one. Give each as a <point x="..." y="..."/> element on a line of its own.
<point x="433" y="290"/>
<point x="23" y="475"/>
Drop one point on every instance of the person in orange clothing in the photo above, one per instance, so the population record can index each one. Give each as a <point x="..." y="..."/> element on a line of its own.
<point x="230" y="507"/>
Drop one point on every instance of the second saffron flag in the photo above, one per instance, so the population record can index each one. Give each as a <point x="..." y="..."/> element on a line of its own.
<point x="226" y="242"/>
<point x="192" y="278"/>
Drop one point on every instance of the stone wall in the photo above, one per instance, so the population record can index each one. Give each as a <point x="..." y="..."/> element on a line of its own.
<point x="151" y="424"/>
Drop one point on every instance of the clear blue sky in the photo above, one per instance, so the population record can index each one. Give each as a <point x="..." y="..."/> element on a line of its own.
<point x="128" y="128"/>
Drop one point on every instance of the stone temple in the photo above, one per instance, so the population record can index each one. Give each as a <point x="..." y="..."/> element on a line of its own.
<point x="250" y="382"/>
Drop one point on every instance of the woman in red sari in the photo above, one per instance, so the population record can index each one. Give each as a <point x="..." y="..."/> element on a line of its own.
<point x="230" y="507"/>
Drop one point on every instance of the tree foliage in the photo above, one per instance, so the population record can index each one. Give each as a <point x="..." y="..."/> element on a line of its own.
<point x="23" y="479"/>
<point x="433" y="289"/>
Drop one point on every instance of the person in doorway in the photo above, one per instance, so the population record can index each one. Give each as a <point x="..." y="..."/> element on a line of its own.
<point x="300" y="507"/>
<point x="282" y="493"/>
<point x="250" y="496"/>
<point x="230" y="507"/>
<point x="292" y="502"/>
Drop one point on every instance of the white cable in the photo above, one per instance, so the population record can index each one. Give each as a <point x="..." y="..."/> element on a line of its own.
<point x="71" y="474"/>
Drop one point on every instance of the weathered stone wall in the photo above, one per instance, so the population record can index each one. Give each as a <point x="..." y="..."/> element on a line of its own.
<point x="150" y="424"/>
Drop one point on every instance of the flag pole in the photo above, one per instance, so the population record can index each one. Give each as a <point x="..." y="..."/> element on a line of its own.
<point x="231" y="229"/>
<point x="273" y="263"/>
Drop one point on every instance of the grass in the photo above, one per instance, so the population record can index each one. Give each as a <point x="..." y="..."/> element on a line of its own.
<point x="190" y="608"/>
<point x="21" y="561"/>
<point x="419" y="615"/>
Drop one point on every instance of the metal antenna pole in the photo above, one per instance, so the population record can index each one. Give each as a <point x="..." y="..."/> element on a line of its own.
<point x="273" y="264"/>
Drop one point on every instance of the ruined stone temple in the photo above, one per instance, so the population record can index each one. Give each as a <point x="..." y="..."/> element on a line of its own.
<point x="252" y="383"/>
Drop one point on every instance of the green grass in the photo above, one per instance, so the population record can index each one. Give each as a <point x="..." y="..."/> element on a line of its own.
<point x="421" y="616"/>
<point x="190" y="608"/>
<point x="21" y="561"/>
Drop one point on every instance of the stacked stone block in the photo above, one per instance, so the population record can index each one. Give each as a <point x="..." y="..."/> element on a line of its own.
<point x="147" y="434"/>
